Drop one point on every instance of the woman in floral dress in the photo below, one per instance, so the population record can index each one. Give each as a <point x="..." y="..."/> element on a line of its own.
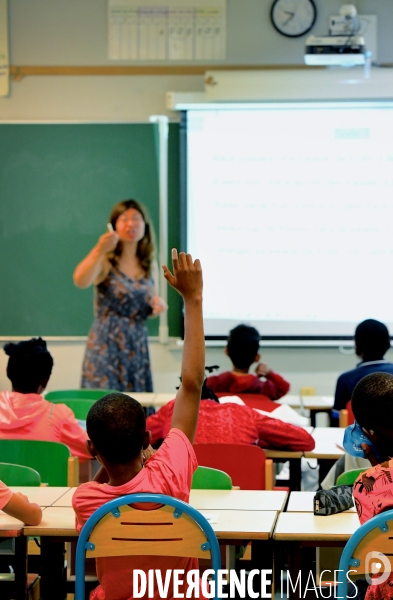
<point x="124" y="274"/>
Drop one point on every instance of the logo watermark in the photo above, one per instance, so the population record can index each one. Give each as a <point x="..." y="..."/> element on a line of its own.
<point x="375" y="561"/>
<point x="256" y="583"/>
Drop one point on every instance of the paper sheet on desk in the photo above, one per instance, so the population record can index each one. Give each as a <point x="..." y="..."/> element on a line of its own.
<point x="210" y="517"/>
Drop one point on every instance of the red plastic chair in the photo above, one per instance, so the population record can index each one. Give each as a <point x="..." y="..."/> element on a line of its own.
<point x="247" y="466"/>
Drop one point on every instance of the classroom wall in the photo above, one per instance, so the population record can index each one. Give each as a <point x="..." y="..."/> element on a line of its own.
<point x="54" y="32"/>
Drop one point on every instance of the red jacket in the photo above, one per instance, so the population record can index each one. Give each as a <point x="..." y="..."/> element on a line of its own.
<point x="274" y="387"/>
<point x="234" y="424"/>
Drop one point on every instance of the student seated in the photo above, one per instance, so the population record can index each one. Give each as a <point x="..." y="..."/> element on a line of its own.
<point x="232" y="423"/>
<point x="116" y="427"/>
<point x="24" y="413"/>
<point x="372" y="341"/>
<point x="242" y="348"/>
<point x="17" y="505"/>
<point x="372" y="405"/>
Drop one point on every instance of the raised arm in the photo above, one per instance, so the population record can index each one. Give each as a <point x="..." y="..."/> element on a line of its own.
<point x="95" y="266"/>
<point x="187" y="280"/>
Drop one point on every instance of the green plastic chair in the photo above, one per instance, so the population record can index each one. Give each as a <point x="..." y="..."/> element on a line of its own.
<point x="349" y="477"/>
<point x="206" y="478"/>
<point x="53" y="460"/>
<point x="80" y="408"/>
<point x="82" y="394"/>
<point x="19" y="475"/>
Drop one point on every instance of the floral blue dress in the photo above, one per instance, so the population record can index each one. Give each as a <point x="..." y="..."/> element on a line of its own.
<point x="117" y="353"/>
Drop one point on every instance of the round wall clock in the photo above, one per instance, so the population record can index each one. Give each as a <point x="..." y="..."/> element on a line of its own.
<point x="293" y="18"/>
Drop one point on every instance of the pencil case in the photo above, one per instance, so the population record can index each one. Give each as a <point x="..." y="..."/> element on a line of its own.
<point x="335" y="500"/>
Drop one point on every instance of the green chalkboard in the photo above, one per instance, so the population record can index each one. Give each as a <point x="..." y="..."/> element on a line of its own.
<point x="58" y="183"/>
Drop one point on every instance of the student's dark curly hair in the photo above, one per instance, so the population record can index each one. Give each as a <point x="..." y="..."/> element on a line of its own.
<point x="29" y="365"/>
<point x="146" y="246"/>
<point x="243" y="345"/>
<point x="116" y="425"/>
<point x="372" y="339"/>
<point x="372" y="401"/>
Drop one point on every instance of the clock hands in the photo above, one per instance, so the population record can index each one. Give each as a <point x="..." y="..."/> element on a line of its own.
<point x="291" y="15"/>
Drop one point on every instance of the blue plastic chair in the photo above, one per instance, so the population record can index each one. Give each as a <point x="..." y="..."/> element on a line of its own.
<point x="373" y="536"/>
<point x="191" y="533"/>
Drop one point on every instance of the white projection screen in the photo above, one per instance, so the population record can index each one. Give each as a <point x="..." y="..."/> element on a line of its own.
<point x="290" y="209"/>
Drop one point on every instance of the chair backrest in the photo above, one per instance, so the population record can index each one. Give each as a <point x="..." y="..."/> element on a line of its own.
<point x="245" y="464"/>
<point x="51" y="459"/>
<point x="80" y="408"/>
<point x="349" y="477"/>
<point x="373" y="536"/>
<point x="118" y="529"/>
<point x="82" y="394"/>
<point x="206" y="478"/>
<point x="12" y="474"/>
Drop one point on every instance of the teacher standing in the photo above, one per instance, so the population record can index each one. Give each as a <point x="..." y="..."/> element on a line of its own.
<point x="122" y="268"/>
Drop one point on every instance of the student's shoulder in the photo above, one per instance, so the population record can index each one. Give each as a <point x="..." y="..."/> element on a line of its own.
<point x="176" y="447"/>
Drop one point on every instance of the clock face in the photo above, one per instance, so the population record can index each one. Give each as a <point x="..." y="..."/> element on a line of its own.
<point x="293" y="17"/>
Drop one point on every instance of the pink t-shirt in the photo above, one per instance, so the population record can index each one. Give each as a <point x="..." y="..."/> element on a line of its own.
<point x="5" y="495"/>
<point x="31" y="417"/>
<point x="169" y="471"/>
<point x="373" y="494"/>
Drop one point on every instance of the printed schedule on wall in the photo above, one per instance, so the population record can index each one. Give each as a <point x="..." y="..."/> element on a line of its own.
<point x="167" y="30"/>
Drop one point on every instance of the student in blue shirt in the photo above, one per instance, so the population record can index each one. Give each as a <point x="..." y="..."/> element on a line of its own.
<point x="372" y="341"/>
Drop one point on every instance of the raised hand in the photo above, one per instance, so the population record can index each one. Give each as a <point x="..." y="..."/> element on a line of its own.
<point x="186" y="277"/>
<point x="107" y="242"/>
<point x="262" y="369"/>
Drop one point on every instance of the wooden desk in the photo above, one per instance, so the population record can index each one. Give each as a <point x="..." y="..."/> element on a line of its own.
<point x="239" y="500"/>
<point x="244" y="500"/>
<point x="314" y="404"/>
<point x="43" y="496"/>
<point x="328" y="443"/>
<point x="305" y="526"/>
<point x="13" y="528"/>
<point x="144" y="398"/>
<point x="58" y="526"/>
<point x="304" y="502"/>
<point x="163" y="399"/>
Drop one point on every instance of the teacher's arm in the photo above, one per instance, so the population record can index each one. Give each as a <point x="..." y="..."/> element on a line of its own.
<point x="95" y="266"/>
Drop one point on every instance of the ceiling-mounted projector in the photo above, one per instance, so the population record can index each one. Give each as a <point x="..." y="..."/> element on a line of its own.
<point x="343" y="46"/>
<point x="345" y="51"/>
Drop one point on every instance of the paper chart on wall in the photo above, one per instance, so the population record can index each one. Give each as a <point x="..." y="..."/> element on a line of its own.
<point x="167" y="30"/>
<point x="4" y="55"/>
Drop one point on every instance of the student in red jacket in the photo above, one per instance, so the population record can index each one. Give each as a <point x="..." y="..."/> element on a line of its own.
<point x="242" y="348"/>
<point x="233" y="424"/>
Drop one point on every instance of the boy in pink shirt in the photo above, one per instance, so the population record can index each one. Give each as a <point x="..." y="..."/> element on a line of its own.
<point x="17" y="505"/>
<point x="116" y="427"/>
<point x="372" y="405"/>
<point x="24" y="413"/>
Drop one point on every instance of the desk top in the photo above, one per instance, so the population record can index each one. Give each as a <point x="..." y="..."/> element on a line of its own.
<point x="304" y="502"/>
<point x="309" y="402"/>
<point x="242" y="500"/>
<point x="305" y="526"/>
<point x="328" y="443"/>
<point x="43" y="496"/>
<point x="228" y="524"/>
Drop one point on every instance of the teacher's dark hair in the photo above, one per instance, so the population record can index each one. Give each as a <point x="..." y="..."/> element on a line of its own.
<point x="29" y="365"/>
<point x="146" y="246"/>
